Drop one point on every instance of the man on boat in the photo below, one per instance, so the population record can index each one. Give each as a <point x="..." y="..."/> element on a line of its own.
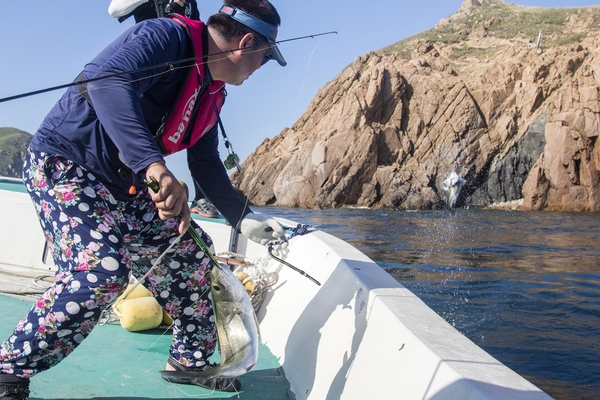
<point x="142" y="10"/>
<point x="87" y="170"/>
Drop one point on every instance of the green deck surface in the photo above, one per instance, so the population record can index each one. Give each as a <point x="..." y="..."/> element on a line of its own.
<point x="12" y="185"/>
<point x="115" y="364"/>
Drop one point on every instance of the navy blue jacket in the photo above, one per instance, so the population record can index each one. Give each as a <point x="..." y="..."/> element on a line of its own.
<point x="127" y="109"/>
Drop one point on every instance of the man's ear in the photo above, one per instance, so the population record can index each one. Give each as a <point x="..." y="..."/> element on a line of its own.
<point x="246" y="40"/>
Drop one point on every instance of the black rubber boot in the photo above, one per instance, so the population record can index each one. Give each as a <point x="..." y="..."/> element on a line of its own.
<point x="14" y="388"/>
<point x="187" y="376"/>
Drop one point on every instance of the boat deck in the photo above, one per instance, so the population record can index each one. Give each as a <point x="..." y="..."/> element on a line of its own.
<point x="113" y="363"/>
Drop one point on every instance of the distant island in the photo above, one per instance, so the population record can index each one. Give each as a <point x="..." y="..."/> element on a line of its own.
<point x="13" y="146"/>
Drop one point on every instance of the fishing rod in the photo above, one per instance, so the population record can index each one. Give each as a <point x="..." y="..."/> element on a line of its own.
<point x="297" y="231"/>
<point x="170" y="65"/>
<point x="298" y="270"/>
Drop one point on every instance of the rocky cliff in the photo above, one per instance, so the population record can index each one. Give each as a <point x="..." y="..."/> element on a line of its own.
<point x="13" y="145"/>
<point x="512" y="110"/>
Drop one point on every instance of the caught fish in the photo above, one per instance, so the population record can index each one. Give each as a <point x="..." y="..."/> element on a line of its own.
<point x="237" y="329"/>
<point x="452" y="184"/>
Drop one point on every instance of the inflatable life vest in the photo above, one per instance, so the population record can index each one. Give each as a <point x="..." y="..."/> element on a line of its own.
<point x="199" y="102"/>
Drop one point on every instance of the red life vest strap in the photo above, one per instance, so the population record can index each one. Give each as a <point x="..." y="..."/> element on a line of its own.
<point x="192" y="115"/>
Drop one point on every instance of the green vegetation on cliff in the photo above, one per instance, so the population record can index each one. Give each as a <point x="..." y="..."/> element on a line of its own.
<point x="502" y="20"/>
<point x="13" y="143"/>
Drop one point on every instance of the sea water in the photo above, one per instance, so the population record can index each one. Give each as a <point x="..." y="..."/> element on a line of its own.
<point x="524" y="286"/>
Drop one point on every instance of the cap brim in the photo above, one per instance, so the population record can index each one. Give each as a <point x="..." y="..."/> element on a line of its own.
<point x="276" y="54"/>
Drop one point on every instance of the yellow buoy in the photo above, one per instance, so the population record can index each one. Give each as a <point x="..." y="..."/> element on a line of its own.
<point x="138" y="291"/>
<point x="167" y="320"/>
<point x="140" y="313"/>
<point x="246" y="281"/>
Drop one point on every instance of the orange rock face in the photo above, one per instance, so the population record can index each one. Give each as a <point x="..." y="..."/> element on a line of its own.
<point x="517" y="124"/>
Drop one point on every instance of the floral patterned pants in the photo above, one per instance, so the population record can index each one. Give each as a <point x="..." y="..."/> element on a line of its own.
<point x="97" y="243"/>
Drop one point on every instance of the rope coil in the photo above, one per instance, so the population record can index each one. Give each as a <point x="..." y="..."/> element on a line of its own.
<point x="257" y="276"/>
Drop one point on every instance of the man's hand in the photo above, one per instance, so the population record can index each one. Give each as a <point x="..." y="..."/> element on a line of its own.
<point x="171" y="198"/>
<point x="261" y="228"/>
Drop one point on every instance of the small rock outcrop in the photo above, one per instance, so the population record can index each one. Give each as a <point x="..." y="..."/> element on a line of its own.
<point x="517" y="121"/>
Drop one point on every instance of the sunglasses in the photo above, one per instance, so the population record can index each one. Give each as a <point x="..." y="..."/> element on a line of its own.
<point x="266" y="30"/>
<point x="268" y="56"/>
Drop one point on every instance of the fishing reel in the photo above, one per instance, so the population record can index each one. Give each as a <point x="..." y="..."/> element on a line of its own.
<point x="233" y="161"/>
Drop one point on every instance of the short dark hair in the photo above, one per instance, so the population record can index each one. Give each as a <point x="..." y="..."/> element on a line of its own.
<point x="230" y="29"/>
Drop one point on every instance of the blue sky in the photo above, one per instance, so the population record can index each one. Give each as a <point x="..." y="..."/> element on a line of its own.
<point x="46" y="43"/>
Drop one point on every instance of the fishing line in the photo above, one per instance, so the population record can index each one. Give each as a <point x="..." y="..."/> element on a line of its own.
<point x="167" y="329"/>
<point x="191" y="307"/>
<point x="105" y="314"/>
<point x="303" y="82"/>
<point x="148" y="349"/>
<point x="175" y="317"/>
